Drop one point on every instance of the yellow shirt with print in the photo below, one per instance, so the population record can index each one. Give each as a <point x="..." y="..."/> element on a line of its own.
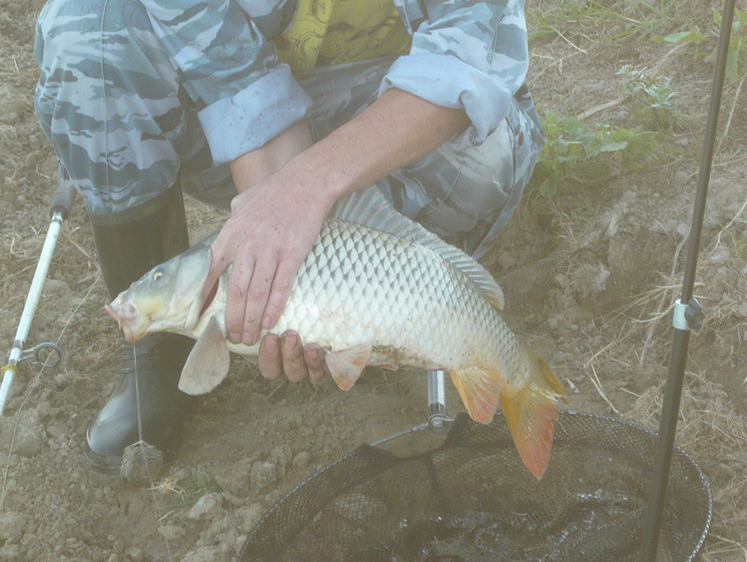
<point x="327" y="32"/>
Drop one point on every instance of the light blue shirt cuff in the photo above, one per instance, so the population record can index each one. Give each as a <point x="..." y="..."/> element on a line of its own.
<point x="447" y="81"/>
<point x="247" y="120"/>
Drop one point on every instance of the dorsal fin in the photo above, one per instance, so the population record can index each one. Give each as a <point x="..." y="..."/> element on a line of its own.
<point x="369" y="207"/>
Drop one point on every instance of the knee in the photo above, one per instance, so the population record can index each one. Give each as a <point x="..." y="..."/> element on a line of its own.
<point x="104" y="84"/>
<point x="484" y="173"/>
<point x="72" y="36"/>
<point x="506" y="157"/>
<point x="73" y="43"/>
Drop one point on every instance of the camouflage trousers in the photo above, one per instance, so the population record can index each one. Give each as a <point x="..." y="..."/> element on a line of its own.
<point x="110" y="101"/>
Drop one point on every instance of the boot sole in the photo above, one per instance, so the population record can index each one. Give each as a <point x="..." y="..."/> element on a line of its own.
<point x="104" y="465"/>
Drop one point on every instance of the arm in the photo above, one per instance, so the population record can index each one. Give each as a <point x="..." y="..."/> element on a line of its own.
<point x="286" y="188"/>
<point x="230" y="71"/>
<point x="466" y="54"/>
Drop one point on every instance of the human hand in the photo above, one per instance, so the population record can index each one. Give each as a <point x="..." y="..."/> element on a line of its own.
<point x="286" y="355"/>
<point x="268" y="236"/>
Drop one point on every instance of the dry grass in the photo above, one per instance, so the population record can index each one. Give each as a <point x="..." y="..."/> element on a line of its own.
<point x="715" y="435"/>
<point x="712" y="426"/>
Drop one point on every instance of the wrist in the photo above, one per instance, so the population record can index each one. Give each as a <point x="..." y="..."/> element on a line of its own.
<point x="321" y="175"/>
<point x="252" y="168"/>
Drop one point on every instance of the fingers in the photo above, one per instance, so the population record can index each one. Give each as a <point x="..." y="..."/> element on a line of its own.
<point x="256" y="294"/>
<point x="258" y="282"/>
<point x="266" y="246"/>
<point x="270" y="361"/>
<point x="291" y="351"/>
<point x="314" y="358"/>
<point x="286" y="355"/>
<point x="281" y="289"/>
<point x="236" y="298"/>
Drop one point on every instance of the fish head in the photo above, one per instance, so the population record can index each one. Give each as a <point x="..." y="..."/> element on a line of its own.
<point x="165" y="299"/>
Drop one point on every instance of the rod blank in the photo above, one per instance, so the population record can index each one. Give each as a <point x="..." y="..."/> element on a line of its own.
<point x="62" y="201"/>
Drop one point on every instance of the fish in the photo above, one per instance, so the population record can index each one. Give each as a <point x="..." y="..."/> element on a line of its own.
<point x="376" y="289"/>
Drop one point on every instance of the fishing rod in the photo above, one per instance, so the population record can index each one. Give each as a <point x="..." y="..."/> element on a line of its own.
<point x="687" y="311"/>
<point x="62" y="202"/>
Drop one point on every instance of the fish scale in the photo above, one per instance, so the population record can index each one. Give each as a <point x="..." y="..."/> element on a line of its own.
<point x="376" y="290"/>
<point x="400" y="296"/>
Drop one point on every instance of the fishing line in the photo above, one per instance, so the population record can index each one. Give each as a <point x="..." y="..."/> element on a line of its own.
<point x="141" y="447"/>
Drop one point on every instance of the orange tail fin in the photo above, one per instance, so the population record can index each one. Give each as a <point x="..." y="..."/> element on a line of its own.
<point x="529" y="411"/>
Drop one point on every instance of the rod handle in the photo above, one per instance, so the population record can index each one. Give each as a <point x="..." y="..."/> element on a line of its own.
<point x="62" y="198"/>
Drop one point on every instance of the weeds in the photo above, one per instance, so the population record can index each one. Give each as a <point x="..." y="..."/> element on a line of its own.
<point x="585" y="154"/>
<point x="738" y="240"/>
<point x="592" y="155"/>
<point x="737" y="43"/>
<point x="651" y="100"/>
<point x="714" y="433"/>
<point x="185" y="492"/>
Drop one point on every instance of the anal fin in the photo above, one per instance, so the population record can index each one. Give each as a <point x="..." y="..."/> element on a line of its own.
<point x="346" y="366"/>
<point x="208" y="363"/>
<point x="479" y="390"/>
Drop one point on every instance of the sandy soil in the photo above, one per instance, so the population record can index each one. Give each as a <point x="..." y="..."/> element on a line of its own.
<point x="589" y="276"/>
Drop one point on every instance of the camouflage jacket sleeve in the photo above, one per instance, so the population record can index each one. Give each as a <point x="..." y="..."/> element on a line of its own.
<point x="465" y="54"/>
<point x="230" y="70"/>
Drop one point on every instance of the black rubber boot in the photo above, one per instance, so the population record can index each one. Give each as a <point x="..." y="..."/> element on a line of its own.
<point x="128" y="245"/>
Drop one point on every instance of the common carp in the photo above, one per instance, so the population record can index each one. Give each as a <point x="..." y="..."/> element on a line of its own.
<point x="376" y="289"/>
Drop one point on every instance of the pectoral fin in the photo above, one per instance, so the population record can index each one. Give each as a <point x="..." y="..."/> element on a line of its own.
<point x="208" y="363"/>
<point x="346" y="366"/>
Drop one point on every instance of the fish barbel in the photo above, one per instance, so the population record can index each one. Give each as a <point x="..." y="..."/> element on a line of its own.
<point x="376" y="289"/>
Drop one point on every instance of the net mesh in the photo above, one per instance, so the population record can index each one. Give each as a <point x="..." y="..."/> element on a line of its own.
<point x="473" y="499"/>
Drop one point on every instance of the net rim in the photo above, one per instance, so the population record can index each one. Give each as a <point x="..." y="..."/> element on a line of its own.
<point x="499" y="420"/>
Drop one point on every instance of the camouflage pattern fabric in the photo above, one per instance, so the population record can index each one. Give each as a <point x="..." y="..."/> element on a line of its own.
<point x="131" y="94"/>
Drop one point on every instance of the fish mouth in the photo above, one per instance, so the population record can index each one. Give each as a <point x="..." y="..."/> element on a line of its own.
<point x="126" y="316"/>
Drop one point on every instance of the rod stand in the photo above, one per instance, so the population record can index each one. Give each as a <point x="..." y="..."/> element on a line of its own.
<point x="687" y="316"/>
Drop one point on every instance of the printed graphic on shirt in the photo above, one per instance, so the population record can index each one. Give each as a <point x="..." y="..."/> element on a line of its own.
<point x="329" y="32"/>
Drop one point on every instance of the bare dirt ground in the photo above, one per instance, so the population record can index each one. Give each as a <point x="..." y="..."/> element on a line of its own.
<point x="590" y="275"/>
